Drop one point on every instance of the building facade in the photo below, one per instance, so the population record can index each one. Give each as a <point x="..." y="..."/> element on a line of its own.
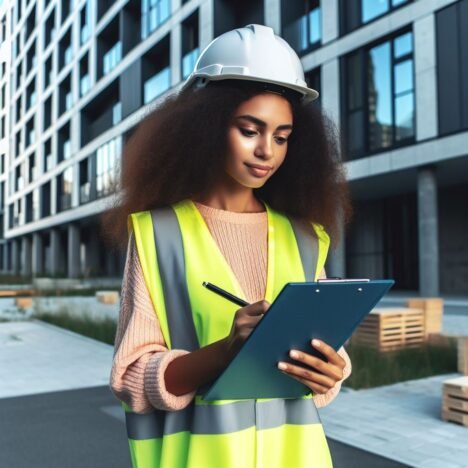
<point x="77" y="76"/>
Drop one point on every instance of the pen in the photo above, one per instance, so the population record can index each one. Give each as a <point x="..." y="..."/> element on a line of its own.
<point x="225" y="294"/>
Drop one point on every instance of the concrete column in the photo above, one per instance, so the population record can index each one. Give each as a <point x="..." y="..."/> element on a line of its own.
<point x="6" y="246"/>
<point x="26" y="255"/>
<point x="206" y="23"/>
<point x="336" y="261"/>
<point x="15" y="261"/>
<point x="73" y="251"/>
<point x="54" y="252"/>
<point x="428" y="236"/>
<point x="176" y="54"/>
<point x="329" y="17"/>
<point x="37" y="255"/>
<point x="272" y="10"/>
<point x="330" y="93"/>
<point x="425" y="73"/>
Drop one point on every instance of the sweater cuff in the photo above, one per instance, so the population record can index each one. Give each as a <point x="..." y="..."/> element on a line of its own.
<point x="155" y="385"/>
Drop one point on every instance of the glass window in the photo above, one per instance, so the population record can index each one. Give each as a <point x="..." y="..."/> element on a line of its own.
<point x="380" y="97"/>
<point x="153" y="14"/>
<point x="373" y="8"/>
<point x="188" y="62"/>
<point x="157" y="85"/>
<point x="112" y="57"/>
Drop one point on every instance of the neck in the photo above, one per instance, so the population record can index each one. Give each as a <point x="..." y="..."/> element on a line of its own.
<point x="238" y="199"/>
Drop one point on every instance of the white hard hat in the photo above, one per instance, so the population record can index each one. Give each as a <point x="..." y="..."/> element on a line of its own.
<point x="252" y="53"/>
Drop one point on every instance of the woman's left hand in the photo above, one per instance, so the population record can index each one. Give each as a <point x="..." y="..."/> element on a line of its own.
<point x="318" y="375"/>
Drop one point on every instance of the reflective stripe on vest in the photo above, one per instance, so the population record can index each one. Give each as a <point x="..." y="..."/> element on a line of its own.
<point x="221" y="419"/>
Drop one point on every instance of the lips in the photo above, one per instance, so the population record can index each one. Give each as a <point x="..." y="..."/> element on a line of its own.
<point x="258" y="170"/>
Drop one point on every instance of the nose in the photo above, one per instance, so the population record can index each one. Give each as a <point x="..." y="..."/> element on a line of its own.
<point x="264" y="148"/>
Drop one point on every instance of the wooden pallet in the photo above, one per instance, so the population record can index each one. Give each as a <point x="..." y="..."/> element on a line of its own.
<point x="17" y="292"/>
<point x="391" y="329"/>
<point x="463" y="355"/>
<point x="433" y="308"/>
<point x="455" y="400"/>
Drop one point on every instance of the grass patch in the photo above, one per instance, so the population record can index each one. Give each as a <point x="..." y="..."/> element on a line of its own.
<point x="373" y="369"/>
<point x="101" y="330"/>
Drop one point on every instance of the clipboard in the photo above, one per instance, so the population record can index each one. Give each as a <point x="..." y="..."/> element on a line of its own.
<point x="329" y="311"/>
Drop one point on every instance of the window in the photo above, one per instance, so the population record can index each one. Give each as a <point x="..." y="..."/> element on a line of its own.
<point x="32" y="168"/>
<point x="31" y="95"/>
<point x="30" y="132"/>
<point x="302" y="26"/>
<point x="85" y="82"/>
<point x="85" y="22"/>
<point x="65" y="95"/>
<point x="190" y="45"/>
<point x="64" y="189"/>
<point x="64" y="143"/>
<point x="355" y="13"/>
<point x="108" y="167"/>
<point x="48" y="163"/>
<point x="48" y="72"/>
<point x="67" y="7"/>
<point x="153" y="14"/>
<point x="156" y="72"/>
<point x="47" y="113"/>
<point x="157" y="85"/>
<point x="31" y="58"/>
<point x="65" y="50"/>
<point x="452" y="72"/>
<point x="85" y="181"/>
<point x="379" y="103"/>
<point x="49" y="32"/>
<point x="112" y="57"/>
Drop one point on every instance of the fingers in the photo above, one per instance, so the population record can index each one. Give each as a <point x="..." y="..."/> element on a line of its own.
<point x="316" y="388"/>
<point x="332" y="356"/>
<point x="328" y="369"/>
<point x="258" y="308"/>
<point x="321" y="383"/>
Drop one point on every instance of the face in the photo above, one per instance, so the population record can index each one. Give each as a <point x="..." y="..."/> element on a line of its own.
<point x="258" y="139"/>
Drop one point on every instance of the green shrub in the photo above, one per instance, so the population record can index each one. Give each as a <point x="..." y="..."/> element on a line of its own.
<point x="102" y="330"/>
<point x="372" y="368"/>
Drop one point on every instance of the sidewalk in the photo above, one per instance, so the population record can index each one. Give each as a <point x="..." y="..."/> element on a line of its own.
<point x="401" y="422"/>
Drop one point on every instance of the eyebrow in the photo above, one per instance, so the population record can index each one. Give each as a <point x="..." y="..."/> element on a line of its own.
<point x="261" y="123"/>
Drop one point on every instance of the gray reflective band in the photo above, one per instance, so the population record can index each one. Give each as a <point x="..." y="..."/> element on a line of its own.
<point x="170" y="251"/>
<point x="221" y="419"/>
<point x="307" y="243"/>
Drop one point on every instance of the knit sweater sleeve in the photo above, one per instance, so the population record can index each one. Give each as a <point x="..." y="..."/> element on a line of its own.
<point x="140" y="352"/>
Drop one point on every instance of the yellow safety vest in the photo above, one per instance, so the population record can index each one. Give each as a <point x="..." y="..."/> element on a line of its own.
<point x="178" y="253"/>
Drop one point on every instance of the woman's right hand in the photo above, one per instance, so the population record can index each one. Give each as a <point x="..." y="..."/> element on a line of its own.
<point x="244" y="322"/>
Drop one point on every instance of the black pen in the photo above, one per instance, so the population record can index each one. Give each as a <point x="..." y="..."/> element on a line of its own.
<point x="225" y="294"/>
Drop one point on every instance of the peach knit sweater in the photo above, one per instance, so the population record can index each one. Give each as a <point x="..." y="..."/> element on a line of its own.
<point x="141" y="355"/>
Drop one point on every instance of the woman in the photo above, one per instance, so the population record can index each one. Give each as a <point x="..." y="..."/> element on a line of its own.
<point x="219" y="183"/>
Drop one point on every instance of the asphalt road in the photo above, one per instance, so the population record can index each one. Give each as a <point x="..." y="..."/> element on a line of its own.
<point x="81" y="428"/>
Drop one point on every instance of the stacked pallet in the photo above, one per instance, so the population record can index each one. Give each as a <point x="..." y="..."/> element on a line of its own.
<point x="463" y="355"/>
<point x="433" y="308"/>
<point x="392" y="328"/>
<point x="455" y="400"/>
<point x="107" y="297"/>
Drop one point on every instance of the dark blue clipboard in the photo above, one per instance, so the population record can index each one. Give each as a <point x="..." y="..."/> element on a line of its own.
<point x="329" y="311"/>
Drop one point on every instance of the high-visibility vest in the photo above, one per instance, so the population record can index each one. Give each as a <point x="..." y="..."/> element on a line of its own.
<point x="177" y="253"/>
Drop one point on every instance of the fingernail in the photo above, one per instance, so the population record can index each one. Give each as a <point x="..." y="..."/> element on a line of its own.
<point x="282" y="366"/>
<point x="294" y="354"/>
<point x="316" y="342"/>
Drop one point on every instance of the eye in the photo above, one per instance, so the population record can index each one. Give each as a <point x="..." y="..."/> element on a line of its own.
<point x="281" y="140"/>
<point x="248" y="133"/>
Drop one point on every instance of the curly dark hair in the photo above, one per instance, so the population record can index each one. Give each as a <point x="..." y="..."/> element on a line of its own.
<point x="176" y="153"/>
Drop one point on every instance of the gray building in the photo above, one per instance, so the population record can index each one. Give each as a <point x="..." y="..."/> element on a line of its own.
<point x="77" y="76"/>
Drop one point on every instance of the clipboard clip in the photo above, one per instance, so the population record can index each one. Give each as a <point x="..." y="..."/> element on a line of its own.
<point x="337" y="279"/>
